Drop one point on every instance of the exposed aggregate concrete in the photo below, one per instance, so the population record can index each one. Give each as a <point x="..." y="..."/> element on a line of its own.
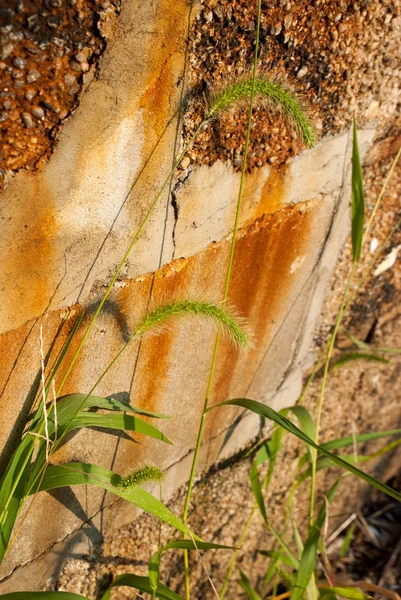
<point x="46" y="48"/>
<point x="340" y="57"/>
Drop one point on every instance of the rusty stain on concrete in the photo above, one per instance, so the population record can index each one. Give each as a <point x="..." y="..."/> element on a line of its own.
<point x="31" y="237"/>
<point x="262" y="279"/>
<point x="273" y="193"/>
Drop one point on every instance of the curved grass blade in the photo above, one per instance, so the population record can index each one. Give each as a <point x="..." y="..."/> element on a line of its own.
<point x="143" y="585"/>
<point x="272" y="415"/>
<point x="358" y="199"/>
<point x="257" y="490"/>
<point x="351" y="356"/>
<point x="345" y="592"/>
<point x="122" y="422"/>
<point x="306" y="423"/>
<point x="57" y="476"/>
<point x="307" y="564"/>
<point x="362" y="437"/>
<point x="246" y="585"/>
<point x="324" y="462"/>
<point x="67" y="406"/>
<point x="42" y="596"/>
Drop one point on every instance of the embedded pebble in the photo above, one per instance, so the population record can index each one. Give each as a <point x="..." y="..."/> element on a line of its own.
<point x="20" y="63"/>
<point x="33" y="75"/>
<point x="302" y="71"/>
<point x="26" y="117"/>
<point x="38" y="112"/>
<point x="6" y="50"/>
<point x="69" y="79"/>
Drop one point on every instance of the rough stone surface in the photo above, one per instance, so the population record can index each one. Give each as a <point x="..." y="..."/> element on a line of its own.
<point x="65" y="228"/>
<point x="46" y="47"/>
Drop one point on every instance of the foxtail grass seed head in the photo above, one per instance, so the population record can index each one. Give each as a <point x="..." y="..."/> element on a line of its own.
<point x="146" y="473"/>
<point x="158" y="319"/>
<point x="272" y="94"/>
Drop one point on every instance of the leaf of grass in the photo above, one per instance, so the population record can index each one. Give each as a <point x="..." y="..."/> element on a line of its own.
<point x="68" y="406"/>
<point x="246" y="585"/>
<point x="272" y="415"/>
<point x="257" y="490"/>
<point x="121" y="421"/>
<point x="143" y="585"/>
<point x="358" y="199"/>
<point x="348" y="592"/>
<point x="360" y="438"/>
<point x="307" y="564"/>
<point x="306" y="423"/>
<point x="57" y="476"/>
<point x="351" y="356"/>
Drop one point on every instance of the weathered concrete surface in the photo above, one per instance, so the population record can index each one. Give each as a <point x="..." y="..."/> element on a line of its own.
<point x="170" y="376"/>
<point x="66" y="228"/>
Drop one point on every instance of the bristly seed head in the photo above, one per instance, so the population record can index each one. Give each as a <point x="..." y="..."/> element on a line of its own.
<point x="271" y="93"/>
<point x="228" y="324"/>
<point x="146" y="473"/>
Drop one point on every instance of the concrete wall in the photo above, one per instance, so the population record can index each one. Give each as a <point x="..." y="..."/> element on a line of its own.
<point x="65" y="227"/>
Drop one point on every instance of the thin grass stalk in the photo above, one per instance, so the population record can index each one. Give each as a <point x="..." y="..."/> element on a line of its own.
<point x="332" y="341"/>
<point x="265" y="486"/>
<point x="225" y="296"/>
<point x="234" y="559"/>
<point x="380" y="196"/>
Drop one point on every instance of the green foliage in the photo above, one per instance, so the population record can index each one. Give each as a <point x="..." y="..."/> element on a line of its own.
<point x="271" y="93"/>
<point x="143" y="584"/>
<point x="272" y="415"/>
<point x="161" y="316"/>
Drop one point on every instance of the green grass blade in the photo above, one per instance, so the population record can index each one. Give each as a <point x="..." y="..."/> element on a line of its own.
<point x="246" y="585"/>
<point x="307" y="564"/>
<point x="12" y="489"/>
<point x="272" y="415"/>
<point x="358" y="199"/>
<point x="198" y="545"/>
<point x="277" y="555"/>
<point x="360" y="438"/>
<point x="57" y="476"/>
<point x="349" y="536"/>
<point x="143" y="585"/>
<point x="306" y="423"/>
<point x="352" y="356"/>
<point x="154" y="570"/>
<point x="350" y="458"/>
<point x="348" y="592"/>
<point x="122" y="422"/>
<point x="42" y="596"/>
<point x="68" y="406"/>
<point x="257" y="490"/>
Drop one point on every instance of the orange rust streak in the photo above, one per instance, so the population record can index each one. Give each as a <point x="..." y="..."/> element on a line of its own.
<point x="260" y="286"/>
<point x="171" y="17"/>
<point x="30" y="256"/>
<point x="272" y="194"/>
